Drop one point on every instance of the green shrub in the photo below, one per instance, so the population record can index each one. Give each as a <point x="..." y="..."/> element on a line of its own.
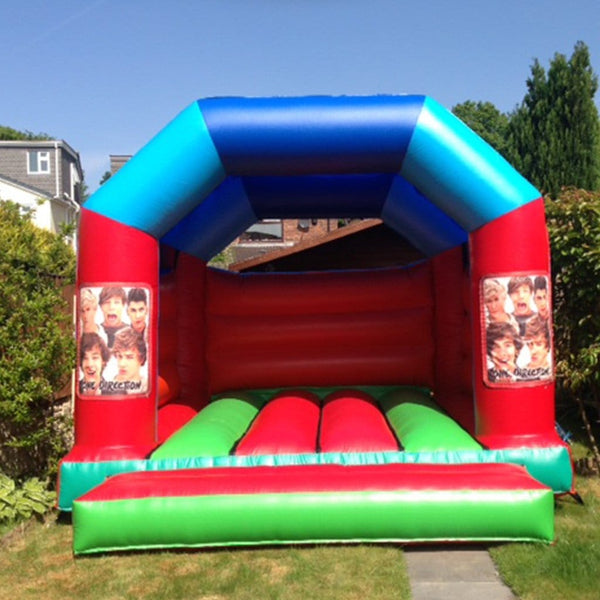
<point x="574" y="226"/>
<point x="37" y="346"/>
<point x="21" y="503"/>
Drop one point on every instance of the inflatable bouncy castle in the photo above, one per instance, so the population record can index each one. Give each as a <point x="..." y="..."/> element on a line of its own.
<point x="407" y="403"/>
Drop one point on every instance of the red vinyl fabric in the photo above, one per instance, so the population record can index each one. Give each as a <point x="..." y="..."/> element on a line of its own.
<point x="516" y="242"/>
<point x="453" y="347"/>
<point x="312" y="478"/>
<point x="351" y="421"/>
<point x="191" y="283"/>
<point x="169" y="385"/>
<point x="319" y="329"/>
<point x="288" y="424"/>
<point x="172" y="417"/>
<point x="118" y="254"/>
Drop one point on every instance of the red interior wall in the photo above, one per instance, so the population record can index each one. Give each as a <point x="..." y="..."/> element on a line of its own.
<point x="454" y="353"/>
<point x="169" y="384"/>
<point x="327" y="328"/>
<point x="407" y="326"/>
<point x="182" y="380"/>
<point x="191" y="298"/>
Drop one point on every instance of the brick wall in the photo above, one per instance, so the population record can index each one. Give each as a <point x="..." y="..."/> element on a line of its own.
<point x="296" y="230"/>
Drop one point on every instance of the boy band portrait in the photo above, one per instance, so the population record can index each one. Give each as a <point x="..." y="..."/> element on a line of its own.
<point x="517" y="329"/>
<point x="113" y="340"/>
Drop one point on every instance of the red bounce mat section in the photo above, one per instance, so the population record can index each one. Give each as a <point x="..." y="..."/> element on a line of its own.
<point x="312" y="478"/>
<point x="352" y="422"/>
<point x="288" y="424"/>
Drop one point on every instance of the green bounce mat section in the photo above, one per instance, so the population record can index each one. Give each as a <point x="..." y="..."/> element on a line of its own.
<point x="421" y="425"/>
<point x="215" y="429"/>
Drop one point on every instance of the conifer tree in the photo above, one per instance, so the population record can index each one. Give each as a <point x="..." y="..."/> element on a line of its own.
<point x="554" y="135"/>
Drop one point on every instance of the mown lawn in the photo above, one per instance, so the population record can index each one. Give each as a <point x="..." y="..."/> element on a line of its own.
<point x="569" y="568"/>
<point x="36" y="562"/>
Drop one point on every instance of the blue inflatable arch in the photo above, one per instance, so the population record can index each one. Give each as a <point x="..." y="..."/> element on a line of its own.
<point x="225" y="163"/>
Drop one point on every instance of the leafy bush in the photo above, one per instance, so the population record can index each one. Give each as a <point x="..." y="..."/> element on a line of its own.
<point x="574" y="225"/>
<point x="37" y="348"/>
<point x="21" y="503"/>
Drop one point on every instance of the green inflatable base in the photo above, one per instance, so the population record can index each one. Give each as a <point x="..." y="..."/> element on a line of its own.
<point x="421" y="515"/>
<point x="551" y="466"/>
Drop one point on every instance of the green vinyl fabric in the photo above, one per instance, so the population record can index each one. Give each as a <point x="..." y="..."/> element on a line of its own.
<point x="215" y="430"/>
<point x="233" y="520"/>
<point x="421" y="425"/>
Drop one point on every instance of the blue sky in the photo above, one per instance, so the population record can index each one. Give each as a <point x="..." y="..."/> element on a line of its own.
<point x="107" y="75"/>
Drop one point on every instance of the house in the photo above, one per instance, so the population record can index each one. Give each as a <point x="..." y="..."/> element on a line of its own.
<point x="274" y="235"/>
<point x="44" y="176"/>
<point x="361" y="244"/>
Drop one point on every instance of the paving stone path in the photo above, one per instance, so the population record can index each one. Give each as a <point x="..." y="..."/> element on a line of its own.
<point x="450" y="573"/>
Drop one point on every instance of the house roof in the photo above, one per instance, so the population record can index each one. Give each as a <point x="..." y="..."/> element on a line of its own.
<point x="23" y="186"/>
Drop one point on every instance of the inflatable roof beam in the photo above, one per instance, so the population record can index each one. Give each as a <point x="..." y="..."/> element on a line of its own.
<point x="413" y="164"/>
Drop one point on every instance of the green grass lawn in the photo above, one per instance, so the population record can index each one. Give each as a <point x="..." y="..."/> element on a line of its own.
<point x="36" y="562"/>
<point x="569" y="568"/>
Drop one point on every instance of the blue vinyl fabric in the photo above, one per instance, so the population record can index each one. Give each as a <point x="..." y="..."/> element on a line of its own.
<point x="312" y="135"/>
<point x="318" y="196"/>
<point x="165" y="180"/>
<point x="422" y="223"/>
<point x="460" y="173"/>
<point x="224" y="163"/>
<point x="203" y="231"/>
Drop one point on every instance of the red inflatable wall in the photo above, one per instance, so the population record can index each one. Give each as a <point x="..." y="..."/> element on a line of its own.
<point x="452" y="332"/>
<point x="191" y="326"/>
<point x="182" y="369"/>
<point x="169" y="384"/>
<point x="330" y="328"/>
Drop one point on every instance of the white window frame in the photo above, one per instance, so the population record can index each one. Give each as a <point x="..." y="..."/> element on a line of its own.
<point x="42" y="162"/>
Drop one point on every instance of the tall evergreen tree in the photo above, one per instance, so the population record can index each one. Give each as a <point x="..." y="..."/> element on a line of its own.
<point x="554" y="135"/>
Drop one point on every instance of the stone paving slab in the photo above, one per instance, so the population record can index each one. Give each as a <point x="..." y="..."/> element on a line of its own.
<point x="450" y="573"/>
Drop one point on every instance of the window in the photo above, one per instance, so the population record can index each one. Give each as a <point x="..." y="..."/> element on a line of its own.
<point x="38" y="162"/>
<point x="266" y="230"/>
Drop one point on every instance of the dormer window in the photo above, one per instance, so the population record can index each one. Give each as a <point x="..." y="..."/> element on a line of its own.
<point x="38" y="162"/>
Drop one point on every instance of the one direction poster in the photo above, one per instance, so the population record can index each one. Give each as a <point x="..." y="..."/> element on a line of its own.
<point x="113" y="339"/>
<point x="517" y="329"/>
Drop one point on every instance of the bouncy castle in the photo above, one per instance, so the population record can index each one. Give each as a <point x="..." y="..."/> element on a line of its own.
<point x="411" y="403"/>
